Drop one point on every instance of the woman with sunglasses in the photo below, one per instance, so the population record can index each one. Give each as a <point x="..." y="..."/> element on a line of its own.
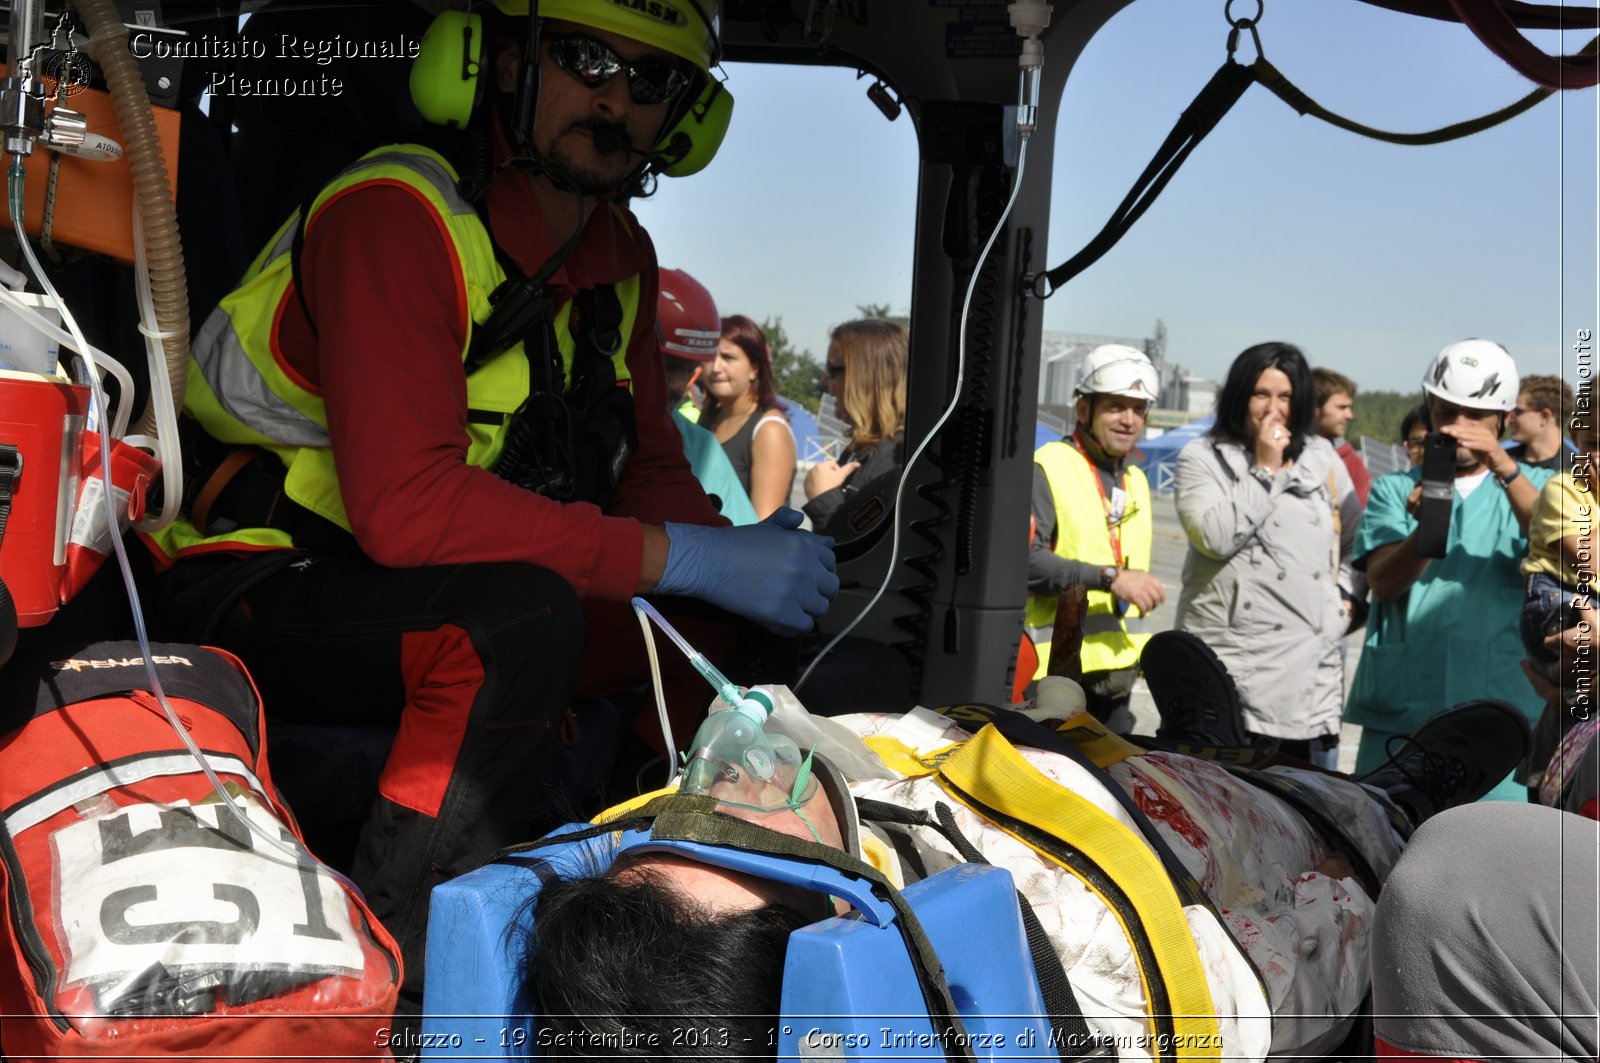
<point x="741" y="408"/>
<point x="867" y="378"/>
<point x="1271" y="515"/>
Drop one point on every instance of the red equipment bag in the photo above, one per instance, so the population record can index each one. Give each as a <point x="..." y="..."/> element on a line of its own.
<point x="143" y="917"/>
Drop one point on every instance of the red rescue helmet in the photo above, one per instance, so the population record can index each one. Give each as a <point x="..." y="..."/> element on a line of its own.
<point x="687" y="322"/>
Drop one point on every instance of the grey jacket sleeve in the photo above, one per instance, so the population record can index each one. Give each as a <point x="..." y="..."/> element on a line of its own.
<point x="1351" y="582"/>
<point x="1220" y="504"/>
<point x="1049" y="575"/>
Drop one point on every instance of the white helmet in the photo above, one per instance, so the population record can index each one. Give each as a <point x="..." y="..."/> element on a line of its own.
<point x="1477" y="374"/>
<point x="1114" y="369"/>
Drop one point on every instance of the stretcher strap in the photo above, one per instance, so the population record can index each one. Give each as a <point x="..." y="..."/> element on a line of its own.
<point x="989" y="776"/>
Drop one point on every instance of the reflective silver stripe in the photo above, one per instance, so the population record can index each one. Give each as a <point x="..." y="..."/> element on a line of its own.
<point x="110" y="777"/>
<point x="240" y="388"/>
<point x="1100" y="624"/>
<point x="244" y="392"/>
<point x="429" y="169"/>
<point x="1094" y="624"/>
<point x="434" y="173"/>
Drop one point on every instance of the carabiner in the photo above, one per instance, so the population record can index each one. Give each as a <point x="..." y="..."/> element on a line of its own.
<point x="1243" y="24"/>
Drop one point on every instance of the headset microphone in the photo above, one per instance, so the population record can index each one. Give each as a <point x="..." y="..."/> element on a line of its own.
<point x="609" y="141"/>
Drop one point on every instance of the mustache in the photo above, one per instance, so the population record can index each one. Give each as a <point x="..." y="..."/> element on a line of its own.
<point x="610" y="138"/>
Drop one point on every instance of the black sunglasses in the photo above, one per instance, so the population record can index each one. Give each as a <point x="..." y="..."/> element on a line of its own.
<point x="650" y="80"/>
<point x="833" y="369"/>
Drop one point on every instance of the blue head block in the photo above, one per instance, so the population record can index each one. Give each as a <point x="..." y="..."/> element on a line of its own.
<point x="849" y="988"/>
<point x="478" y="927"/>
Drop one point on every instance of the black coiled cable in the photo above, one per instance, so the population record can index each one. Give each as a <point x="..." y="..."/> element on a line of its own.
<point x="972" y="447"/>
<point x="926" y="566"/>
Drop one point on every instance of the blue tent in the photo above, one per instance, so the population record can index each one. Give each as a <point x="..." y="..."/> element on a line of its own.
<point x="802" y="421"/>
<point x="1158" y="456"/>
<point x="1164" y="447"/>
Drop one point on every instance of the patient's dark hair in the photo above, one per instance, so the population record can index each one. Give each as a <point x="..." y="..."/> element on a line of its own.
<point x="634" y="969"/>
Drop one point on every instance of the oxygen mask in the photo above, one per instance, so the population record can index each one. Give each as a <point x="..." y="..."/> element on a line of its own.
<point x="735" y="759"/>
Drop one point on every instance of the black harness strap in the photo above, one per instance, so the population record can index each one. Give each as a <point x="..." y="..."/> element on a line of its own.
<point x="572" y="438"/>
<point x="10" y="472"/>
<point x="1198" y="119"/>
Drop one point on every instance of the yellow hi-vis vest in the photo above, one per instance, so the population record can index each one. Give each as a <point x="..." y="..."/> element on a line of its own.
<point x="1082" y="535"/>
<point x="240" y="392"/>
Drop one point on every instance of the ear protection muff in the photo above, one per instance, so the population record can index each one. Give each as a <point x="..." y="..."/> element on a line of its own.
<point x="694" y="138"/>
<point x="447" y="78"/>
<point x="446" y="81"/>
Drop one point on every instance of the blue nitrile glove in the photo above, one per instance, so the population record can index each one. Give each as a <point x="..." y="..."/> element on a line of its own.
<point x="772" y="573"/>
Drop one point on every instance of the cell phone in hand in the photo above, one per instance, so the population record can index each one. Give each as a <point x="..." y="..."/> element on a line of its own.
<point x="1438" y="495"/>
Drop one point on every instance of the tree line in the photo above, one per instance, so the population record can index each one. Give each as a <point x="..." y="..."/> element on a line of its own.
<point x="1379" y="413"/>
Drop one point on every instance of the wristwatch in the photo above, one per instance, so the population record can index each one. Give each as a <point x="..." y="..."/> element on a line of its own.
<point x="1108" y="576"/>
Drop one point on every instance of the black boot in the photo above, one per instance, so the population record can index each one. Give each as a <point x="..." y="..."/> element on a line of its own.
<point x="1192" y="690"/>
<point x="1453" y="759"/>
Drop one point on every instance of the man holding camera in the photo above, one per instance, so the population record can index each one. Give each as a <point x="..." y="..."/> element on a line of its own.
<point x="1443" y="629"/>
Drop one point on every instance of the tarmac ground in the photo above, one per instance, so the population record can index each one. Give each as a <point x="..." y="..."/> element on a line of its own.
<point x="1166" y="562"/>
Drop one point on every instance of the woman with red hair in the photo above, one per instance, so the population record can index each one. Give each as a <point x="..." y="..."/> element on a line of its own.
<point x="741" y="408"/>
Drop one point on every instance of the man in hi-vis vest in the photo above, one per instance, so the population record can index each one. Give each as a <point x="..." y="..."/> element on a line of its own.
<point x="439" y="456"/>
<point x="1092" y="525"/>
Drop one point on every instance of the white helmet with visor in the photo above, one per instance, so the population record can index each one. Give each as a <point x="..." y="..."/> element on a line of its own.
<point x="1116" y="369"/>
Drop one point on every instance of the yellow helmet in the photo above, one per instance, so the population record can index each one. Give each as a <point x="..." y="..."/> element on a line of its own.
<point x="445" y="82"/>
<point x="688" y="29"/>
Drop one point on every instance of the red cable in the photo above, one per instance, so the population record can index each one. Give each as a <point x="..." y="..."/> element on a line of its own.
<point x="1497" y="23"/>
<point x="1496" y="30"/>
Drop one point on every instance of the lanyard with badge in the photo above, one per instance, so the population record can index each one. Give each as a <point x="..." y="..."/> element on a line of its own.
<point x="1117" y="509"/>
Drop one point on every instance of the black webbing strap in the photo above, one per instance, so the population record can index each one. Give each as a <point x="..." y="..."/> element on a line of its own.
<point x="1197" y="120"/>
<point x="1219" y="95"/>
<point x="1060" y="1003"/>
<point x="1273" y="80"/>
<point x="10" y="472"/>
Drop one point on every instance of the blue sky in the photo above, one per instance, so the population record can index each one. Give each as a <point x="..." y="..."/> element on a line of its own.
<point x="1370" y="256"/>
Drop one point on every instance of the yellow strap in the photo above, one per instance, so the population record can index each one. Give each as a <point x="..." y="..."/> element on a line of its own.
<point x="1100" y="745"/>
<point x="991" y="771"/>
<point x="903" y="760"/>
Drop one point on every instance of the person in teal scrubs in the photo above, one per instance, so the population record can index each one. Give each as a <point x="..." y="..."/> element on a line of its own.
<point x="1444" y="630"/>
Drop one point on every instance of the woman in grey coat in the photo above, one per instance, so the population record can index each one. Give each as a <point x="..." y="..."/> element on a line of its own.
<point x="1271" y="513"/>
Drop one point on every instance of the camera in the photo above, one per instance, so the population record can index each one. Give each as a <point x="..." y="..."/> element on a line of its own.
<point x="1438" y="495"/>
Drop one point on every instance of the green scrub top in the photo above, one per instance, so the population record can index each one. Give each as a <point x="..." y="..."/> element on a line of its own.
<point x="1453" y="636"/>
